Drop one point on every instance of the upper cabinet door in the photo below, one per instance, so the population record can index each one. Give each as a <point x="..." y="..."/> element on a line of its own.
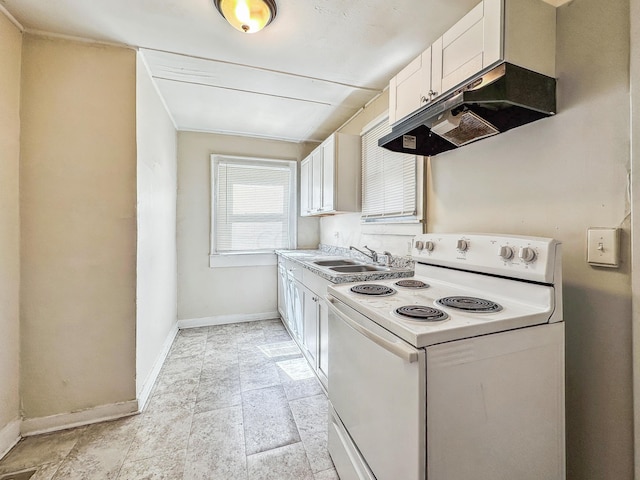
<point x="316" y="175"/>
<point x="328" y="174"/>
<point x="472" y="44"/>
<point x="306" y="186"/>
<point x="410" y="88"/>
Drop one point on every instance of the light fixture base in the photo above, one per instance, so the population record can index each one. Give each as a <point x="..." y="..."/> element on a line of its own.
<point x="248" y="16"/>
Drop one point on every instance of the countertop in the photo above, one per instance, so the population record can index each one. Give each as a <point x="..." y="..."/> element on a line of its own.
<point x="306" y="259"/>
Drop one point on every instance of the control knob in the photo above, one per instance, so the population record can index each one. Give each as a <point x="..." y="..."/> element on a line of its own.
<point x="505" y="252"/>
<point x="429" y="245"/>
<point x="462" y="245"/>
<point x="419" y="245"/>
<point x="527" y="254"/>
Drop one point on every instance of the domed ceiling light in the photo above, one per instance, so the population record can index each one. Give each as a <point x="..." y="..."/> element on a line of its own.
<point x="248" y="16"/>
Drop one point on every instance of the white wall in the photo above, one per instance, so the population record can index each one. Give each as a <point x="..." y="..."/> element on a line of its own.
<point x="220" y="292"/>
<point x="10" y="60"/>
<point x="78" y="226"/>
<point x="156" y="302"/>
<point x="555" y="178"/>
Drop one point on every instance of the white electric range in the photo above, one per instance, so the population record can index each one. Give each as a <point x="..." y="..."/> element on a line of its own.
<point x="456" y="373"/>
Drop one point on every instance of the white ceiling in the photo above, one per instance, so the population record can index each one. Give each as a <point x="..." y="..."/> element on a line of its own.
<point x="299" y="79"/>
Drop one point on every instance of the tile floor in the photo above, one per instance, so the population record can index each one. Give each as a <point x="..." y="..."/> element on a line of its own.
<point x="235" y="402"/>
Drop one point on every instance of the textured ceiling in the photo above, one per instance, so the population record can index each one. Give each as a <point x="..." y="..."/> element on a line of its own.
<point x="299" y="79"/>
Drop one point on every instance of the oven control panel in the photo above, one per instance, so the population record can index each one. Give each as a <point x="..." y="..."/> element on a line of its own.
<point x="528" y="258"/>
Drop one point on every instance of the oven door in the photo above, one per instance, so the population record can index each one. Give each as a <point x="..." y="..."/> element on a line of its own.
<point x="377" y="389"/>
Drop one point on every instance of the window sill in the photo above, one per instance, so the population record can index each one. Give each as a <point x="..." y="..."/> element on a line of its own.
<point x="380" y="228"/>
<point x="230" y="260"/>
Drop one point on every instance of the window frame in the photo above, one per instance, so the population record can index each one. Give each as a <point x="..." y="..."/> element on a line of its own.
<point x="250" y="257"/>
<point x="396" y="225"/>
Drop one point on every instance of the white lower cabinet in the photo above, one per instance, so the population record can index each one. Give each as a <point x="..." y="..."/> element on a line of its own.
<point x="282" y="289"/>
<point x="310" y="330"/>
<point x="322" y="361"/>
<point x="303" y="308"/>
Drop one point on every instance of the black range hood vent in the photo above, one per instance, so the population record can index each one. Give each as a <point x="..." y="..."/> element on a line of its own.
<point x="498" y="100"/>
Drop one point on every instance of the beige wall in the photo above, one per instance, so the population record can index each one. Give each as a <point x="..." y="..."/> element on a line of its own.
<point x="156" y="259"/>
<point x="78" y="226"/>
<point x="10" y="59"/>
<point x="635" y="219"/>
<point x="556" y="178"/>
<point x="213" y="292"/>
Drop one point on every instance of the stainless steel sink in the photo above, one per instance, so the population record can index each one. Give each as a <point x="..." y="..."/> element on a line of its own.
<point x="358" y="268"/>
<point x="334" y="263"/>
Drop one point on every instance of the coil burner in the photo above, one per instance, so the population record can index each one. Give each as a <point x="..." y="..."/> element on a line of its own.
<point x="411" y="283"/>
<point x="422" y="313"/>
<point x="373" y="289"/>
<point x="469" y="304"/>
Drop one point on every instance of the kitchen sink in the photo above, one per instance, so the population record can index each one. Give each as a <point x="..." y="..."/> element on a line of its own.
<point x="334" y="263"/>
<point x="358" y="268"/>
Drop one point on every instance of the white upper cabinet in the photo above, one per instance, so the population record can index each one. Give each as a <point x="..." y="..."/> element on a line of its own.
<point x="469" y="46"/>
<point x="305" y="186"/>
<point x="521" y="32"/>
<point x="330" y="177"/>
<point x="413" y="87"/>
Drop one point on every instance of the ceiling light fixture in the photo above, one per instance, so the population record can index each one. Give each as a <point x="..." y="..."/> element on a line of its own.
<point x="248" y="16"/>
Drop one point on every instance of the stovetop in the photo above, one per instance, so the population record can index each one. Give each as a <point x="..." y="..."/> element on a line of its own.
<point x="517" y="281"/>
<point x="518" y="309"/>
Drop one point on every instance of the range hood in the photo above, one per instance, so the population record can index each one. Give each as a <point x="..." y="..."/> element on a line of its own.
<point x="498" y="100"/>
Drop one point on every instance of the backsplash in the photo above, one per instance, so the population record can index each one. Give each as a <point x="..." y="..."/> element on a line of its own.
<point x="396" y="261"/>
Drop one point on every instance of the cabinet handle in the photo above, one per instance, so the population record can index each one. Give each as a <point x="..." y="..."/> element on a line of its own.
<point x="424" y="99"/>
<point x="432" y="94"/>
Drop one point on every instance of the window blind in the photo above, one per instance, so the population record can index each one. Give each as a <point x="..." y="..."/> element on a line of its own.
<point x="252" y="205"/>
<point x="389" y="179"/>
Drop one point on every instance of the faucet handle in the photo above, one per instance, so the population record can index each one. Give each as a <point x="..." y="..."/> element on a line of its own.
<point x="372" y="251"/>
<point x="387" y="254"/>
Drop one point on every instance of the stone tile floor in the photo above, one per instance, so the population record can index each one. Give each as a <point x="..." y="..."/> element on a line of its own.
<point x="234" y="401"/>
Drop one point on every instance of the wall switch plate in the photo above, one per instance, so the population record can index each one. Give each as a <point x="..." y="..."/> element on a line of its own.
<point x="603" y="247"/>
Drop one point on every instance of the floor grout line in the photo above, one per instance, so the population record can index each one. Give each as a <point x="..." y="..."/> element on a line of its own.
<point x="246" y="340"/>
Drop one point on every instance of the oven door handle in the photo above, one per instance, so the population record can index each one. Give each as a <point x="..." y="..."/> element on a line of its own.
<point x="401" y="350"/>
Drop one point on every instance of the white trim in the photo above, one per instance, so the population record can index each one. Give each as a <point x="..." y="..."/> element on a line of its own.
<point x="15" y="21"/>
<point x="155" y="86"/>
<point x="375" y="122"/>
<point x="242" y="260"/>
<point x="74" y="38"/>
<point x="149" y="382"/>
<point x="63" y="421"/>
<point x="224" y="319"/>
<point x="9" y="436"/>
<point x="388" y="228"/>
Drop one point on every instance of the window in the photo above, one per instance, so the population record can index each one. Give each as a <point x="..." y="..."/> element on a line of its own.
<point x="253" y="205"/>
<point x="390" y="186"/>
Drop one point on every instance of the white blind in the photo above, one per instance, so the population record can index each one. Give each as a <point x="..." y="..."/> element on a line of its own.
<point x="252" y="205"/>
<point x="388" y="179"/>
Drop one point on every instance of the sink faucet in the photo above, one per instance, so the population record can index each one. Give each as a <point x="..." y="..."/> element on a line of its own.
<point x="373" y="255"/>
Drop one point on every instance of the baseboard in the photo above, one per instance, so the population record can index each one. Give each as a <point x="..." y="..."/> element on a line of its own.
<point x="62" y="421"/>
<point x="9" y="436"/>
<point x="224" y="319"/>
<point x="147" y="386"/>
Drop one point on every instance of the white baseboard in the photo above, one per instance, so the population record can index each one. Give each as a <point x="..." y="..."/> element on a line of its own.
<point x="224" y="319"/>
<point x="147" y="386"/>
<point x="62" y="421"/>
<point x="9" y="436"/>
